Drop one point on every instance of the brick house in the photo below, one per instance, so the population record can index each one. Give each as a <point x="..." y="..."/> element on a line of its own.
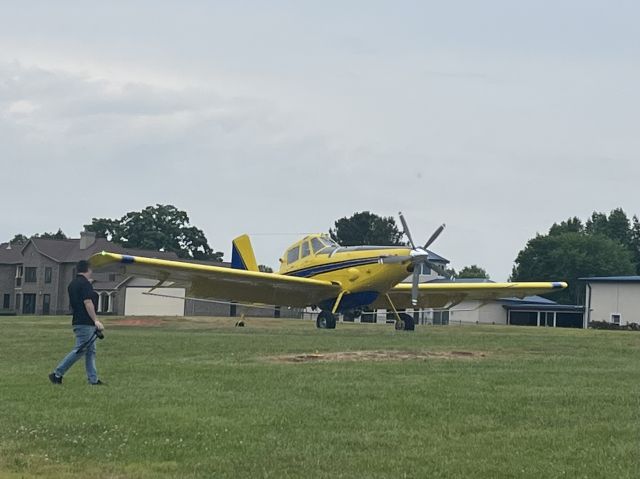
<point x="34" y="275"/>
<point x="34" y="278"/>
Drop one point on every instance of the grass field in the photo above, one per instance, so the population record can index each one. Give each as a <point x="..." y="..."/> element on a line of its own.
<point x="200" y="398"/>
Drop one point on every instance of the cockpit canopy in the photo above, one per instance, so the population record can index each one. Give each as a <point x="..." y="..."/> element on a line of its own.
<point x="310" y="245"/>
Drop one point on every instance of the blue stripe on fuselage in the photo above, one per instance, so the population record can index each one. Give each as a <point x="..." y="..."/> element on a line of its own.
<point x="325" y="268"/>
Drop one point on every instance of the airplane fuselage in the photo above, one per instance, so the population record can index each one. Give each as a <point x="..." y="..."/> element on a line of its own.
<point x="358" y="269"/>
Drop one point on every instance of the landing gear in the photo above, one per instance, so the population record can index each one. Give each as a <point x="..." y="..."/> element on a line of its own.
<point x="405" y="322"/>
<point x="326" y="320"/>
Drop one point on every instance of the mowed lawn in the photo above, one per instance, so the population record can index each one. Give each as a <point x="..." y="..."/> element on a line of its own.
<point x="201" y="398"/>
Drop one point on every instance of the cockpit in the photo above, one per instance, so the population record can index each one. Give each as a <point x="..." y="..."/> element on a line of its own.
<point x="315" y="245"/>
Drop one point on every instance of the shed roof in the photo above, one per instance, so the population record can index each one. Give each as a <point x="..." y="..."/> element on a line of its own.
<point x="612" y="279"/>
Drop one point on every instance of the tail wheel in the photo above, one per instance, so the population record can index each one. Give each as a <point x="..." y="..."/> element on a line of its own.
<point x="408" y="322"/>
<point x="326" y="320"/>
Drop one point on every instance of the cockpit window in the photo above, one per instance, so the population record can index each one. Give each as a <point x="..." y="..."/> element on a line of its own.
<point x="317" y="245"/>
<point x="293" y="254"/>
<point x="306" y="251"/>
<point x="330" y="242"/>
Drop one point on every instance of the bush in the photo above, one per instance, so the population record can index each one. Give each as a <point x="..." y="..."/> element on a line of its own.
<point x="614" y="327"/>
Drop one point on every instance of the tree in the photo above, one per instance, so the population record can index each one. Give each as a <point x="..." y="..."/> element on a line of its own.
<point x="160" y="228"/>
<point x="570" y="256"/>
<point x="22" y="239"/>
<point x="105" y="228"/>
<point x="366" y="228"/>
<point x="59" y="235"/>
<point x="265" y="269"/>
<point x="635" y="242"/>
<point x="616" y="226"/>
<point x="473" y="271"/>
<point x="572" y="225"/>
<point x="19" y="239"/>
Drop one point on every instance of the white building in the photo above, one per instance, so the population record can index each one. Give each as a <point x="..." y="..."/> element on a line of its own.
<point x="613" y="299"/>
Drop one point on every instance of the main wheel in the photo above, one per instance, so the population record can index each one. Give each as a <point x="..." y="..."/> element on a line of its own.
<point x="409" y="323"/>
<point x="326" y="320"/>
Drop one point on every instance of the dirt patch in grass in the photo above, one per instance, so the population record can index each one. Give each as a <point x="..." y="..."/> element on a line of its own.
<point x="374" y="356"/>
<point x="137" y="322"/>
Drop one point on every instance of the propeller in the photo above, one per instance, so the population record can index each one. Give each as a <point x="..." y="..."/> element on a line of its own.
<point x="419" y="255"/>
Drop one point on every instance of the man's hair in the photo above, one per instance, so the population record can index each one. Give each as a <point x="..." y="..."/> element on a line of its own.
<point x="83" y="266"/>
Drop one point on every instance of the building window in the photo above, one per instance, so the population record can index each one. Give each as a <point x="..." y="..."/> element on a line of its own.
<point x="615" y="318"/>
<point x="30" y="275"/>
<point x="6" y="301"/>
<point x="46" y="304"/>
<point x="19" y="271"/>
<point x="18" y="301"/>
<point x="48" y="273"/>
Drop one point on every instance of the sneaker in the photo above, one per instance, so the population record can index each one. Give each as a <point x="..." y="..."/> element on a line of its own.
<point x="55" y="379"/>
<point x="98" y="383"/>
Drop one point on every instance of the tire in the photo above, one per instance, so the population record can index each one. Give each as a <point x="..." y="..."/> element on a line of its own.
<point x="326" y="320"/>
<point x="409" y="323"/>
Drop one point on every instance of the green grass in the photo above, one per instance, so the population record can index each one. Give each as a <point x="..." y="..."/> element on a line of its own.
<point x="196" y="398"/>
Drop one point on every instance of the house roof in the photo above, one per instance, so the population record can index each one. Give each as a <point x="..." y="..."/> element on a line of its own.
<point x="612" y="279"/>
<point x="10" y="254"/>
<point x="68" y="251"/>
<point x="527" y="300"/>
<point x="436" y="257"/>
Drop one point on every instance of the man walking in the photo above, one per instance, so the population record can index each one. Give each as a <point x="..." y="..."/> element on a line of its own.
<point x="85" y="327"/>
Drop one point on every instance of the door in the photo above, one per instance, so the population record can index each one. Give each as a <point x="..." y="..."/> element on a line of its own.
<point x="29" y="304"/>
<point x="46" y="304"/>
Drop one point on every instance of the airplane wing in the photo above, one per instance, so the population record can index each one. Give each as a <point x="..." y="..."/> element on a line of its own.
<point x="440" y="295"/>
<point x="215" y="282"/>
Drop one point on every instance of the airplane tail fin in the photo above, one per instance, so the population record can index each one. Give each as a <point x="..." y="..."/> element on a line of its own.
<point x="242" y="256"/>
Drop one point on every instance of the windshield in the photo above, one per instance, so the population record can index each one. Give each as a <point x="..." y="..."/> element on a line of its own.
<point x="324" y="244"/>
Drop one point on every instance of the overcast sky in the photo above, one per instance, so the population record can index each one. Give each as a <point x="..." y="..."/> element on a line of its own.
<point x="277" y="118"/>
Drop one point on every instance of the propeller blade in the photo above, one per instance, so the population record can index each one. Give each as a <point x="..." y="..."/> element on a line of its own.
<point x="435" y="235"/>
<point x="414" y="286"/>
<point x="438" y="269"/>
<point x="394" y="259"/>
<point x="405" y="228"/>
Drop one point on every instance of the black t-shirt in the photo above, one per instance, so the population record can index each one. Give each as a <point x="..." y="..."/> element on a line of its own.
<point x="80" y="289"/>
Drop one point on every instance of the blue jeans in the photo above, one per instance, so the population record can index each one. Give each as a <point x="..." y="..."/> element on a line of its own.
<point x="83" y="335"/>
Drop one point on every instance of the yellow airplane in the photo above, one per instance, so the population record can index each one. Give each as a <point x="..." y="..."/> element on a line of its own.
<point x="317" y="272"/>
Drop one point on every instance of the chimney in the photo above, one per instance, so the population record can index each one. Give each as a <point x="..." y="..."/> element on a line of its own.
<point x="87" y="238"/>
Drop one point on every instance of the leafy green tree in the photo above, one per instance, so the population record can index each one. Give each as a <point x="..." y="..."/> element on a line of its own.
<point x="619" y="227"/>
<point x="366" y="228"/>
<point x="22" y="239"/>
<point x="473" y="271"/>
<point x="19" y="239"/>
<point x="570" y="256"/>
<point x="105" y="228"/>
<point x="635" y="242"/>
<point x="59" y="235"/>
<point x="571" y="225"/>
<point x="265" y="269"/>
<point x="160" y="228"/>
<point x="597" y="224"/>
